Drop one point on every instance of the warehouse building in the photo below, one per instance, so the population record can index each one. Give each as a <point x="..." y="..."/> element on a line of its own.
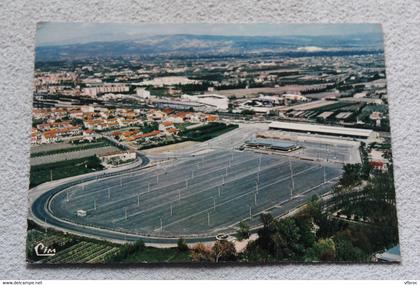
<point x="363" y="134"/>
<point x="272" y="144"/>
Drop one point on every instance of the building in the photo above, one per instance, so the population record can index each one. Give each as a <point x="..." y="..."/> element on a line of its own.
<point x="294" y="97"/>
<point x="105" y="88"/>
<point x="142" y="93"/>
<point x="219" y="102"/>
<point x="116" y="158"/>
<point x="353" y="133"/>
<point x="167" y="127"/>
<point x="168" y="81"/>
<point x="272" y="144"/>
<point x="81" y="213"/>
<point x="391" y="255"/>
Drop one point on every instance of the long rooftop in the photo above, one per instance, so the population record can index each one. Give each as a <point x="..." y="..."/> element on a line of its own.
<point x="321" y="129"/>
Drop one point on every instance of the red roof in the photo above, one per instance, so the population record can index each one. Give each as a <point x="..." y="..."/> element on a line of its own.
<point x="167" y="123"/>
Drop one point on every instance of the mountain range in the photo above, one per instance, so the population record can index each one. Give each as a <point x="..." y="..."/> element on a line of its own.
<point x="186" y="45"/>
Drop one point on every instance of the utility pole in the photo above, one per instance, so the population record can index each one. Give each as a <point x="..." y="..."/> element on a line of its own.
<point x="138" y="199"/>
<point x="208" y="219"/>
<point x="214" y="203"/>
<point x="148" y="187"/>
<point x="250" y="212"/>
<point x="94" y="204"/>
<point x="218" y="188"/>
<point x="255" y="198"/>
<point x="256" y="186"/>
<point x="172" y="212"/>
<point x="161" y="225"/>
<point x="292" y="178"/>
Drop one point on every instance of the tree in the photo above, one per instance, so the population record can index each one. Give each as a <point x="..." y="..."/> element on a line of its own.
<point x="351" y="174"/>
<point x="287" y="238"/>
<point x="201" y="252"/>
<point x="345" y="251"/>
<point x="264" y="234"/>
<point x="243" y="231"/>
<point x="323" y="250"/>
<point x="223" y="250"/>
<point x="182" y="245"/>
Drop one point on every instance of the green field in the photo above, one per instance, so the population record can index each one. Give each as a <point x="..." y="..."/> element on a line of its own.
<point x="77" y="147"/>
<point x="58" y="170"/>
<point x="206" y="132"/>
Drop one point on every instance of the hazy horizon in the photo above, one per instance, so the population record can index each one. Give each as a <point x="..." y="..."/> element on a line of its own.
<point x="60" y="33"/>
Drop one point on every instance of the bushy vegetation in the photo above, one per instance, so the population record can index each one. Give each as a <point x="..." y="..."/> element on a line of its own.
<point x="243" y="232"/>
<point x="182" y="245"/>
<point x="221" y="251"/>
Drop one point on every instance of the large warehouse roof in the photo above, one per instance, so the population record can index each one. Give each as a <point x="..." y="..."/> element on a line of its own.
<point x="276" y="144"/>
<point x="321" y="129"/>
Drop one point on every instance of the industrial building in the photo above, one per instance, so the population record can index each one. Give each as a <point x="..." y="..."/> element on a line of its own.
<point x="272" y="144"/>
<point x="354" y="133"/>
<point x="219" y="102"/>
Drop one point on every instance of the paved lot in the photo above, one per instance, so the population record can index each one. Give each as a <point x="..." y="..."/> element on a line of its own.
<point x="195" y="196"/>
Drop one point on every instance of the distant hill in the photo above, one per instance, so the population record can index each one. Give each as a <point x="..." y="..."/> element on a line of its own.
<point x="206" y="45"/>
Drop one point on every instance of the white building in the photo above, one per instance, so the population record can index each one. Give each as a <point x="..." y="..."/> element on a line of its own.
<point x="219" y="102"/>
<point x="116" y="158"/>
<point x="354" y="133"/>
<point x="295" y="97"/>
<point x="142" y="93"/>
<point x="87" y="109"/>
<point x="168" y="80"/>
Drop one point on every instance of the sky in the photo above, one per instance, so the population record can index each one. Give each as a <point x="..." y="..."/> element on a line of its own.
<point x="58" y="33"/>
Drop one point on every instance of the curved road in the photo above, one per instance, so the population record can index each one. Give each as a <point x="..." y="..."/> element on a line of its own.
<point x="40" y="196"/>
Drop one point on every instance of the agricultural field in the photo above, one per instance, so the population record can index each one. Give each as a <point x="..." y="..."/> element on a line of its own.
<point x="206" y="132"/>
<point x="76" y="154"/>
<point x="69" y="249"/>
<point x="65" y="148"/>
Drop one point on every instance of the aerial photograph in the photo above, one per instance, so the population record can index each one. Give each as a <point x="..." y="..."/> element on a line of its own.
<point x="210" y="143"/>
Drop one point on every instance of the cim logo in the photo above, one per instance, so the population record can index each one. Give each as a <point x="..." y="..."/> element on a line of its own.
<point x="42" y="250"/>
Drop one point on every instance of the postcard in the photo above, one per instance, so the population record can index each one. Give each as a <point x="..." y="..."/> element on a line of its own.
<point x="211" y="143"/>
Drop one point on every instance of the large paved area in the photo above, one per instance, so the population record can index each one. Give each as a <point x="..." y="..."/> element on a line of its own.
<point x="195" y="190"/>
<point x="197" y="195"/>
